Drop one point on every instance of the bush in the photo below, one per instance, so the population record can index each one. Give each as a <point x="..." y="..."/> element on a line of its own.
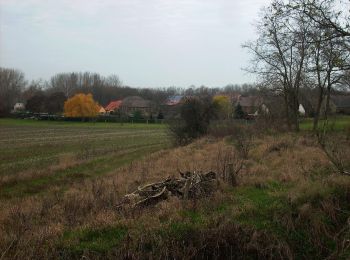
<point x="239" y="113"/>
<point x="194" y="122"/>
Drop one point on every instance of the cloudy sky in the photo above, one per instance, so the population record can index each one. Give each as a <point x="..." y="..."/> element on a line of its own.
<point x="151" y="43"/>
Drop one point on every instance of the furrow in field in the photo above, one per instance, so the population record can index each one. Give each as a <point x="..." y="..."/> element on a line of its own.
<point x="77" y="139"/>
<point x="30" y="138"/>
<point x="5" y="131"/>
<point x="62" y="178"/>
<point x="37" y="149"/>
<point x="38" y="160"/>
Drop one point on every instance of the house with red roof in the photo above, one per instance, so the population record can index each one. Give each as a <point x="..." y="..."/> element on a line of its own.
<point x="102" y="111"/>
<point x="113" y="106"/>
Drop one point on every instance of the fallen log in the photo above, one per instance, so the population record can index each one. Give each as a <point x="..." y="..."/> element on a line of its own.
<point x="189" y="185"/>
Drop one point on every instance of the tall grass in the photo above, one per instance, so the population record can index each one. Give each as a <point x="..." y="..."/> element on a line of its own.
<point x="288" y="204"/>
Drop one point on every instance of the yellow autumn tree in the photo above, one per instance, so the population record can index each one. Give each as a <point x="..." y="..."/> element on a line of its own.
<point x="223" y="106"/>
<point x="81" y="105"/>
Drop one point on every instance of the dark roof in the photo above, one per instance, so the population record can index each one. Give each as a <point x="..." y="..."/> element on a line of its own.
<point x="136" y="101"/>
<point x="173" y="100"/>
<point x="250" y="101"/>
<point x="341" y="101"/>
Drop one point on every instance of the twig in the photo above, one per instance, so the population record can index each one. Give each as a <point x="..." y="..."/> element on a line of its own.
<point x="7" y="249"/>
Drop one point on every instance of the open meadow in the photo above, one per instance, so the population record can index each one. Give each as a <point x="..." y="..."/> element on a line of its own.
<point x="38" y="155"/>
<point x="63" y="200"/>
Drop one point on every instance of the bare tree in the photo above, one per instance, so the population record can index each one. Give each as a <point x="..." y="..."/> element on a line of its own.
<point x="35" y="87"/>
<point x="329" y="15"/>
<point x="113" y="81"/>
<point x="280" y="54"/>
<point x="104" y="89"/>
<point x="12" y="83"/>
<point x="325" y="64"/>
<point x="65" y="82"/>
<point x="302" y="43"/>
<point x="328" y="47"/>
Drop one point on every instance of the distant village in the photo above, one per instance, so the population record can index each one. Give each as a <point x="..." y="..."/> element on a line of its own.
<point x="114" y="101"/>
<point x="252" y="106"/>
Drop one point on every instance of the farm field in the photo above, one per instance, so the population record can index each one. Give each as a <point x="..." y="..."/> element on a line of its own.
<point x="36" y="155"/>
<point x="337" y="123"/>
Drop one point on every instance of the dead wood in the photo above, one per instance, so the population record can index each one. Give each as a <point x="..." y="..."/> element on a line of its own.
<point x="189" y="185"/>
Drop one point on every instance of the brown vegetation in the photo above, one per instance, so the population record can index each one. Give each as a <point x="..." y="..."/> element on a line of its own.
<point x="284" y="167"/>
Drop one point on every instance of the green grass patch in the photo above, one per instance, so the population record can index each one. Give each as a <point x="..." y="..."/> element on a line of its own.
<point x="99" y="240"/>
<point x="268" y="209"/>
<point x="193" y="216"/>
<point x="338" y="123"/>
<point x="222" y="208"/>
<point x="259" y="207"/>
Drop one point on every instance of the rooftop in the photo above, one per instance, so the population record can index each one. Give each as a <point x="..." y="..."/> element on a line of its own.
<point x="113" y="105"/>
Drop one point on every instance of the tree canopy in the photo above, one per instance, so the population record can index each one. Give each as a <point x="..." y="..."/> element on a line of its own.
<point x="12" y="83"/>
<point x="223" y="106"/>
<point x="81" y="105"/>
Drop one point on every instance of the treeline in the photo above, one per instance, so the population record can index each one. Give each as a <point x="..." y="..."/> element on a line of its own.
<point x="302" y="45"/>
<point x="49" y="96"/>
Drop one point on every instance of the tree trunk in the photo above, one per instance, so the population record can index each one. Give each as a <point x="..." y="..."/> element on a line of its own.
<point x="232" y="175"/>
<point x="318" y="109"/>
<point x="327" y="103"/>
<point x="294" y="107"/>
<point x="329" y="87"/>
<point x="286" y="102"/>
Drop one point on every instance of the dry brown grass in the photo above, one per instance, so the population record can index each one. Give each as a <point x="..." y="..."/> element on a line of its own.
<point x="31" y="226"/>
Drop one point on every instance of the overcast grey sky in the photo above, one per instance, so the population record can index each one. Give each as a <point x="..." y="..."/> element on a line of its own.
<point x="151" y="43"/>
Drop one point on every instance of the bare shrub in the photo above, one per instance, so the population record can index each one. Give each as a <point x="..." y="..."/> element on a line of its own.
<point x="230" y="160"/>
<point x="270" y="122"/>
<point x="239" y="134"/>
<point x="222" y="128"/>
<point x="228" y="163"/>
<point x="278" y="146"/>
<point x="243" y="140"/>
<point x="335" y="146"/>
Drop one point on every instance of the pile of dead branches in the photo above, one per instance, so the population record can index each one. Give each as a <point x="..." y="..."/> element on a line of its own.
<point x="189" y="185"/>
